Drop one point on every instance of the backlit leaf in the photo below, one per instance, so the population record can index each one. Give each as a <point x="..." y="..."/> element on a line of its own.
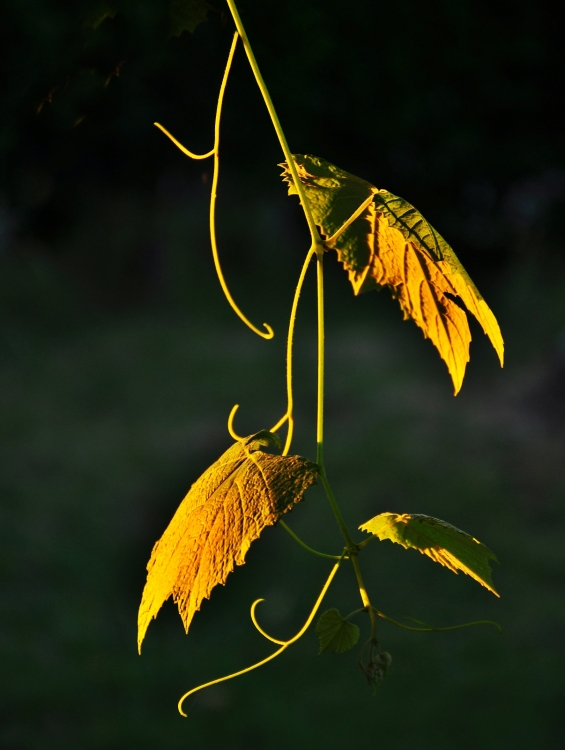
<point x="437" y="539"/>
<point x="186" y="15"/>
<point x="390" y="243"/>
<point x="225" y="510"/>
<point x="334" y="633"/>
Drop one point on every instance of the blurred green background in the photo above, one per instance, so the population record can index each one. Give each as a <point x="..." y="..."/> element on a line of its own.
<point x="120" y="361"/>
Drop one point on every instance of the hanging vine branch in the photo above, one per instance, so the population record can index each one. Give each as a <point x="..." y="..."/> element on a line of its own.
<point x="380" y="239"/>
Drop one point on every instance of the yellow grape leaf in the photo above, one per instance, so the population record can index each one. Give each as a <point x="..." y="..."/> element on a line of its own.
<point x="437" y="539"/>
<point x="225" y="510"/>
<point x="391" y="244"/>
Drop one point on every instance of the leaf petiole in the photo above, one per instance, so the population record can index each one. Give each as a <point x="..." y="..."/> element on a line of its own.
<point x="309" y="549"/>
<point x="355" y="215"/>
<point x="355" y="612"/>
<point x="365" y="542"/>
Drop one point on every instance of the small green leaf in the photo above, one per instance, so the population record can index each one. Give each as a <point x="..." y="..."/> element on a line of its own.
<point x="186" y="15"/>
<point x="103" y="11"/>
<point x="438" y="540"/>
<point x="335" y="634"/>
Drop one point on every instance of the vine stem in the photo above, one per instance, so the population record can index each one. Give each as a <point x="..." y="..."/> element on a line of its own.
<point x="316" y="239"/>
<point x="321" y="375"/>
<point x="351" y="546"/>
<point x="319" y="248"/>
<point x="352" y="551"/>
<point x="305" y="546"/>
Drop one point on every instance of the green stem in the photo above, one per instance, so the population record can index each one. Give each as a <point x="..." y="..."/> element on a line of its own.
<point x="336" y="511"/>
<point x="316" y="239"/>
<point x="355" y="612"/>
<point x="351" y="547"/>
<point x="320" y="410"/>
<point x="321" y="370"/>
<point x="318" y="245"/>
<point x="364" y="595"/>
<point x="320" y="404"/>
<point x="306" y="547"/>
<point x="365" y="542"/>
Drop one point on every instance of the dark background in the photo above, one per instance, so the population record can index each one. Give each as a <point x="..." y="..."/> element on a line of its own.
<point x="120" y="361"/>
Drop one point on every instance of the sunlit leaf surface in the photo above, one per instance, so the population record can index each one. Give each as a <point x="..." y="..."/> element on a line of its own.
<point x="437" y="539"/>
<point x="334" y="633"/>
<point x="224" y="511"/>
<point x="391" y="244"/>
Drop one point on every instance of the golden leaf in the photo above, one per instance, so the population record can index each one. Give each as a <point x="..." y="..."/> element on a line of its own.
<point x="420" y="285"/>
<point x="440" y="541"/>
<point x="224" y="511"/>
<point x="382" y="240"/>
